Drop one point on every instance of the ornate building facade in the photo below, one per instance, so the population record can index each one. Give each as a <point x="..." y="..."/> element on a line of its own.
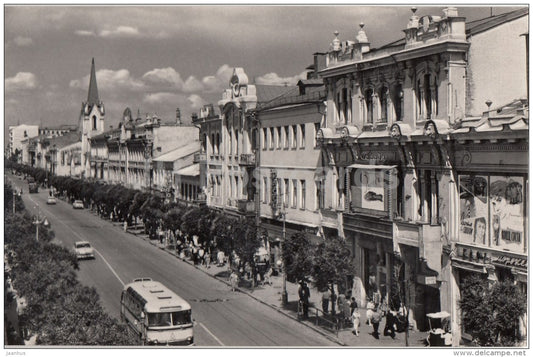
<point x="392" y="174"/>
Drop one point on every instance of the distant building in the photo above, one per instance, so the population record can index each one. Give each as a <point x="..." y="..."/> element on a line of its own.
<point x="132" y="148"/>
<point x="19" y="133"/>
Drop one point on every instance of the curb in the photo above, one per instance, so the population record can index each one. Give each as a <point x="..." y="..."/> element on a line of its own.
<point x="331" y="338"/>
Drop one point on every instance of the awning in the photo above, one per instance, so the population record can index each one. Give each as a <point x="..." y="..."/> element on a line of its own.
<point x="470" y="266"/>
<point x="372" y="167"/>
<point x="192" y="170"/>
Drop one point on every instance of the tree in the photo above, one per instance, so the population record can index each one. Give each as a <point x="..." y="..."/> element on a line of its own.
<point x="298" y="257"/>
<point x="490" y="312"/>
<point x="333" y="264"/>
<point x="246" y="242"/>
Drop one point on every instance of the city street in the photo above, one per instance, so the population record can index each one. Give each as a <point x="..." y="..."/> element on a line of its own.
<point x="222" y="318"/>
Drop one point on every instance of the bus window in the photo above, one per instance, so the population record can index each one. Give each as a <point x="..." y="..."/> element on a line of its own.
<point x="181" y="317"/>
<point x="159" y="319"/>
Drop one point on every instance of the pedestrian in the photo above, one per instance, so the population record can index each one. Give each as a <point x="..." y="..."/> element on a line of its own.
<point x="326" y="296"/>
<point x="208" y="260"/>
<point x="390" y="319"/>
<point x="376" y="319"/>
<point x="304" y="294"/>
<point x="369" y="311"/>
<point x="201" y="255"/>
<point x="356" y="321"/>
<point x="220" y="258"/>
<point x="234" y="280"/>
<point x="194" y="255"/>
<point x="353" y="305"/>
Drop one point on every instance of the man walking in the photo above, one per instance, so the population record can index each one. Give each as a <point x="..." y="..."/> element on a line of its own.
<point x="326" y="296"/>
<point x="304" y="294"/>
<point x="389" y="324"/>
<point x="376" y="319"/>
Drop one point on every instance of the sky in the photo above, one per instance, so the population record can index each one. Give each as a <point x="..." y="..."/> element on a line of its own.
<point x="154" y="59"/>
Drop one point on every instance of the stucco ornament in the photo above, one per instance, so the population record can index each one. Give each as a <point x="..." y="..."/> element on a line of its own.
<point x="395" y="132"/>
<point x="430" y="130"/>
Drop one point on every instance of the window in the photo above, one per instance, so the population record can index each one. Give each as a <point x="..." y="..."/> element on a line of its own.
<point x="265" y="139"/>
<point x="369" y="105"/>
<point x="265" y="189"/>
<point x="286" y="137"/>
<point x="236" y="142"/>
<point x="319" y="195"/>
<point x="317" y="128"/>
<point x="278" y="137"/>
<point x="294" y="136"/>
<point x="271" y="138"/>
<point x="302" y="136"/>
<point x="383" y="102"/>
<point x="218" y="144"/>
<point x="95" y="122"/>
<point x="294" y="200"/>
<point x="302" y="195"/>
<point x="426" y="93"/>
<point x="286" y="192"/>
<point x="398" y="102"/>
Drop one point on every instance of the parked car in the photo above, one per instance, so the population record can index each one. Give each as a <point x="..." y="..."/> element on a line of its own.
<point x="51" y="200"/>
<point x="78" y="204"/>
<point x="84" y="250"/>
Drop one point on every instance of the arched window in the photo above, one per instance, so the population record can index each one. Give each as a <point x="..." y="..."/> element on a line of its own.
<point x="369" y="104"/>
<point x="95" y="122"/>
<point x="383" y="101"/>
<point x="218" y="143"/>
<point x="213" y="144"/>
<point x="398" y="101"/>
<point x="426" y="93"/>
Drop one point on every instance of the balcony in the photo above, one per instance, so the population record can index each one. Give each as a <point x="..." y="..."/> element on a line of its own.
<point x="246" y="207"/>
<point x="200" y="157"/>
<point x="247" y="160"/>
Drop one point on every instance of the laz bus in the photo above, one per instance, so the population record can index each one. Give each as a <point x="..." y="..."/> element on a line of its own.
<point x="155" y="314"/>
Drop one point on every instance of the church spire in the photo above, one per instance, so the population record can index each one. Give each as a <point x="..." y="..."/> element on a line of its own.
<point x="92" y="98"/>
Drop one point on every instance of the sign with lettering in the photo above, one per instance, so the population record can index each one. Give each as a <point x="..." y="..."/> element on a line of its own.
<point x="377" y="157"/>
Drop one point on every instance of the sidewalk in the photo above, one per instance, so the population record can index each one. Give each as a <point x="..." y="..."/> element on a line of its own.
<point x="271" y="295"/>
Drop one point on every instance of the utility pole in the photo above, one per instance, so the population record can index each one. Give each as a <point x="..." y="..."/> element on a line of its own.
<point x="284" y="295"/>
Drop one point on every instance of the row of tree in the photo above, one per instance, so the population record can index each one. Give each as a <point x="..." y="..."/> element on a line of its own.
<point x="327" y="264"/>
<point x="59" y="310"/>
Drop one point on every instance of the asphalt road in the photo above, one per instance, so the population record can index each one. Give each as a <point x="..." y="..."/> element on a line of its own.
<point x="223" y="318"/>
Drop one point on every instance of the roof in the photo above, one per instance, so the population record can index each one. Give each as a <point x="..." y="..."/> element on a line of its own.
<point x="192" y="170"/>
<point x="266" y="93"/>
<point x="68" y="138"/>
<point x="180" y="152"/>
<point x="476" y="26"/>
<point x="156" y="296"/>
<point x="92" y="97"/>
<point x="313" y="94"/>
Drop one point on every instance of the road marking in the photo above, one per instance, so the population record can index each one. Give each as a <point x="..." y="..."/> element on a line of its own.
<point x="209" y="332"/>
<point x="82" y="238"/>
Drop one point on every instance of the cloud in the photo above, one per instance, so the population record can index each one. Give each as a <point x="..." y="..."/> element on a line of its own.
<point x="107" y="79"/>
<point x="162" y="97"/>
<point x="22" y="41"/>
<point x="164" y="76"/>
<point x="192" y="85"/>
<point x="84" y="33"/>
<point x="219" y="81"/>
<point x="21" y="81"/>
<point x="120" y="31"/>
<point x="275" y="79"/>
<point x="196" y="101"/>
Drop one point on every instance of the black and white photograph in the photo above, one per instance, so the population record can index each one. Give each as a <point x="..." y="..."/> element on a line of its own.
<point x="266" y="176"/>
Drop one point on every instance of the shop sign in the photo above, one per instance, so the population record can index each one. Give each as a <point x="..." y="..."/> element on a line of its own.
<point x="377" y="157"/>
<point x="372" y="189"/>
<point x="426" y="280"/>
<point x="492" y="208"/>
<point x="509" y="261"/>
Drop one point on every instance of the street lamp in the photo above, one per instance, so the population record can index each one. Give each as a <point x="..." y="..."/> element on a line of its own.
<point x="38" y="221"/>
<point x="284" y="295"/>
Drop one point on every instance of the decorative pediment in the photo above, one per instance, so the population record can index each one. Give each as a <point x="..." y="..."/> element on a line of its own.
<point x="350" y="131"/>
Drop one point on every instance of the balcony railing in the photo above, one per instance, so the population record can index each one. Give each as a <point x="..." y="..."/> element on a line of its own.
<point x="200" y="157"/>
<point x="245" y="206"/>
<point x="247" y="160"/>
